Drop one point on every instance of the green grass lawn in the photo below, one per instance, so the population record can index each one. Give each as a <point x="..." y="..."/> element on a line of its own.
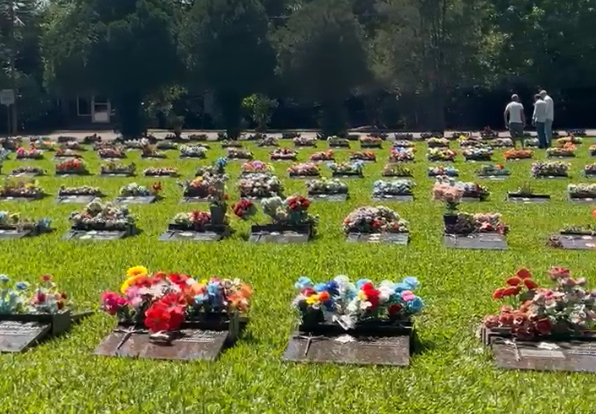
<point x="452" y="374"/>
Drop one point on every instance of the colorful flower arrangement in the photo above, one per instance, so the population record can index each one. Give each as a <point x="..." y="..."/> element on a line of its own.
<point x="533" y="142"/>
<point x="11" y="143"/>
<point x="582" y="229"/>
<point x="284" y="154"/>
<point x="151" y="151"/>
<point x="582" y="190"/>
<point x="432" y="134"/>
<point x="193" y="151"/>
<point x="590" y="169"/>
<point x="72" y="145"/>
<point x="92" y="139"/>
<point x="111" y="152"/>
<point x="198" y="137"/>
<point x="67" y="153"/>
<point x="570" y="139"/>
<point x="501" y="143"/>
<point x="518" y="154"/>
<point x="442" y="189"/>
<point x="160" y="172"/>
<point x="326" y="186"/>
<point x="466" y="223"/>
<point x="260" y="185"/>
<point x="32" y="154"/>
<point x="137" y="190"/>
<point x="470" y="141"/>
<point x="477" y="154"/>
<point x="399" y="154"/>
<point x="406" y="136"/>
<point x="239" y="153"/>
<point x="566" y="310"/>
<point x="226" y="143"/>
<point x="45" y="298"/>
<point x="308" y="169"/>
<point x="14" y="221"/>
<point x="438" y="143"/>
<point x="166" y="145"/>
<point x="353" y="168"/>
<point x="79" y="191"/>
<point x="488" y="133"/>
<point x="21" y="188"/>
<point x="194" y="220"/>
<point x="291" y="212"/>
<point x="269" y="141"/>
<point x="4" y="154"/>
<point x="403" y="144"/>
<point x="26" y="169"/>
<point x="493" y="170"/>
<point x="323" y="156"/>
<point x="440" y="154"/>
<point x="567" y="150"/>
<point x="113" y="167"/>
<point x="63" y="139"/>
<point x="394" y="187"/>
<point x="550" y="169"/>
<point x="370" y="220"/>
<point x="350" y="305"/>
<point x="43" y="145"/>
<point x="102" y="216"/>
<point x="338" y="142"/>
<point x="396" y="170"/>
<point x="257" y="167"/>
<point x="363" y="156"/>
<point x="300" y="141"/>
<point x="244" y="209"/>
<point x="135" y="143"/>
<point x="163" y="302"/>
<point x="440" y="170"/>
<point x="72" y="166"/>
<point x="218" y="168"/>
<point x="371" y="142"/>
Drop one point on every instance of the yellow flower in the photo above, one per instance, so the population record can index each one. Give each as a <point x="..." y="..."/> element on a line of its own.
<point x="203" y="281"/>
<point x="137" y="271"/>
<point x="129" y="282"/>
<point x="312" y="300"/>
<point x="362" y="295"/>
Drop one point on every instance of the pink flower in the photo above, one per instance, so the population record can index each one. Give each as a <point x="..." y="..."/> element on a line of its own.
<point x="112" y="302"/>
<point x="408" y="296"/>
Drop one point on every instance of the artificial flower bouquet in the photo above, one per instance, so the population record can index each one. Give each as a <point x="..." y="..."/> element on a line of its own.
<point x="440" y="154"/>
<point x="567" y="150"/>
<point x="118" y="168"/>
<point x="405" y="136"/>
<point x="570" y="139"/>
<point x="443" y="189"/>
<point x="67" y="153"/>
<point x="19" y="299"/>
<point x="326" y="186"/>
<point x="566" y="310"/>
<point x="205" y="186"/>
<point x="399" y="154"/>
<point x="356" y="307"/>
<point x="525" y="190"/>
<point x="79" y="191"/>
<point x="590" y="169"/>
<point x="338" y="142"/>
<point x="72" y="145"/>
<point x="396" y="170"/>
<point x="160" y="172"/>
<point x="402" y="144"/>
<point x="470" y="141"/>
<point x="111" y="152"/>
<point x="14" y="221"/>
<point x="218" y="168"/>
<point x="581" y="190"/>
<point x="231" y="144"/>
<point x="488" y="133"/>
<point x="72" y="166"/>
<point x="244" y="209"/>
<point x="11" y="143"/>
<point x="394" y="187"/>
<point x="300" y="141"/>
<point x="501" y="143"/>
<point x="284" y="154"/>
<point x="43" y="145"/>
<point x="151" y="151"/>
<point x="239" y="154"/>
<point x="193" y="151"/>
<point x="269" y="141"/>
<point x="28" y="170"/>
<point x="164" y="304"/>
<point x="592" y="150"/>
<point x="100" y="216"/>
<point x="308" y="169"/>
<point x="64" y="139"/>
<point x="363" y="156"/>
<point x="371" y="142"/>
<point x="29" y="154"/>
<point x="198" y="137"/>
<point x="438" y="143"/>
<point x="440" y="171"/>
<point x="257" y="167"/>
<point x="477" y="154"/>
<point x="491" y="170"/>
<point x="21" y="188"/>
<point x="101" y="145"/>
<point x="432" y="134"/>
<point x="467" y="223"/>
<point x="550" y="169"/>
<point x="137" y="190"/>
<point x="518" y="154"/>
<point x="370" y="220"/>
<point x="290" y="213"/>
<point x="195" y="221"/>
<point x="323" y="156"/>
<point x="135" y="144"/>
<point x="92" y="139"/>
<point x="533" y="142"/>
<point x="260" y="186"/>
<point x="166" y="145"/>
<point x="353" y="168"/>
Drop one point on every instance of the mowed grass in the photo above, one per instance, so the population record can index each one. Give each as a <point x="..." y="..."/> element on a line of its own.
<point x="453" y="373"/>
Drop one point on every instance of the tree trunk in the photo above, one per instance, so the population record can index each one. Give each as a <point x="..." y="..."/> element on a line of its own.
<point x="129" y="114"/>
<point x="231" y="109"/>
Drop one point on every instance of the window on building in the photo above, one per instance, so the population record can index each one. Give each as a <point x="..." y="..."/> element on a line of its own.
<point x="83" y="106"/>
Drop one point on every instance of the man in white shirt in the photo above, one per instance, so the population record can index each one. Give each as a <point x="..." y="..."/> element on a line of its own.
<point x="550" y="116"/>
<point x="516" y="121"/>
<point x="539" y="120"/>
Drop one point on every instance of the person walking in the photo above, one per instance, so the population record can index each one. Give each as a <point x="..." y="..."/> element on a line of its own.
<point x="515" y="120"/>
<point x="550" y="116"/>
<point x="539" y="120"/>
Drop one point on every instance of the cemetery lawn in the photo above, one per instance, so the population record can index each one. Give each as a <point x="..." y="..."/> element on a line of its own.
<point x="453" y="373"/>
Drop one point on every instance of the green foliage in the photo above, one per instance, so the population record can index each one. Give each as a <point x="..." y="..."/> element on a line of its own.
<point x="260" y="108"/>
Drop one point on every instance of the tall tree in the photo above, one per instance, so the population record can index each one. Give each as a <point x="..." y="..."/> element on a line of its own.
<point x="322" y="56"/>
<point x="123" y="49"/>
<point x="228" y="52"/>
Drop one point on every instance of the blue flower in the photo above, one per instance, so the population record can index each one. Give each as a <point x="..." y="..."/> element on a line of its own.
<point x="320" y="287"/>
<point x="411" y="282"/>
<point x="362" y="282"/>
<point x="332" y="287"/>
<point x="303" y="283"/>
<point x="200" y="299"/>
<point x="2" y="215"/>
<point x="22" y="286"/>
<point x="213" y="289"/>
<point x="4" y="279"/>
<point x="415" y="305"/>
<point x="401" y="287"/>
<point x="44" y="223"/>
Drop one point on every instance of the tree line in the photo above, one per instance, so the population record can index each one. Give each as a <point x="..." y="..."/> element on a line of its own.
<point x="414" y="64"/>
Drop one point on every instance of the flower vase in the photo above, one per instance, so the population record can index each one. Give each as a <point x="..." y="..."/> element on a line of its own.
<point x="217" y="214"/>
<point x="450" y="220"/>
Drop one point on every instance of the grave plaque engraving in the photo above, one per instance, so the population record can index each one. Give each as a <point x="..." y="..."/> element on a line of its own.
<point x="478" y="241"/>
<point x="391" y="238"/>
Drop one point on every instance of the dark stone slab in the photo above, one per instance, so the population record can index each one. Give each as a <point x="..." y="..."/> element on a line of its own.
<point x="98" y="235"/>
<point x="117" y="174"/>
<point x="575" y="242"/>
<point x="278" y="234"/>
<point x="551" y="177"/>
<point x="136" y="200"/>
<point x="529" y="199"/>
<point x="206" y="234"/>
<point x="479" y="241"/>
<point x="75" y="199"/>
<point x="11" y="234"/>
<point x="196" y="157"/>
<point x="404" y="198"/>
<point x="190" y="200"/>
<point x="581" y="200"/>
<point x="347" y="145"/>
<point x="328" y="197"/>
<point x="392" y="238"/>
<point x="590" y="175"/>
<point x="21" y="331"/>
<point x="364" y="145"/>
<point x="345" y="349"/>
<point x="493" y="177"/>
<point x="28" y="175"/>
<point x="72" y="173"/>
<point x="21" y="199"/>
<point x="485" y="159"/>
<point x="467" y="199"/>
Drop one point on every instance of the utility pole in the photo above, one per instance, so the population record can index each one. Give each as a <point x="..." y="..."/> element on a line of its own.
<point x="13" y="70"/>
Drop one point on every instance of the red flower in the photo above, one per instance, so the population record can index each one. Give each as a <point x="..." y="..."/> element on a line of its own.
<point x="177" y="279"/>
<point x="511" y="291"/>
<point x="556" y="272"/>
<point x="594" y="213"/>
<point x="158" y="277"/>
<point x="506" y="319"/>
<point x="156" y="187"/>
<point x="177" y="316"/>
<point x="513" y="281"/>
<point x="367" y="286"/>
<point x="173" y="299"/>
<point x="523" y="274"/>
<point x="157" y="317"/>
<point x="40" y="297"/>
<point x="491" y="321"/>
<point x="394" y="309"/>
<point x="498" y="294"/>
<point x="372" y="296"/>
<point x="530" y="284"/>
<point x="543" y="326"/>
<point x="46" y="278"/>
<point x="308" y="292"/>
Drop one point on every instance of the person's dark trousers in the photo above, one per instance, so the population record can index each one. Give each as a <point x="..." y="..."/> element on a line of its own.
<point x="540" y="130"/>
<point x="516" y="129"/>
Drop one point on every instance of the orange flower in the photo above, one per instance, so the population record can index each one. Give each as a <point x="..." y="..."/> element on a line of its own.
<point x="530" y="284"/>
<point x="594" y="213"/>
<point x="523" y="274"/>
<point x="324" y="296"/>
<point x="498" y="294"/>
<point x="514" y="281"/>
